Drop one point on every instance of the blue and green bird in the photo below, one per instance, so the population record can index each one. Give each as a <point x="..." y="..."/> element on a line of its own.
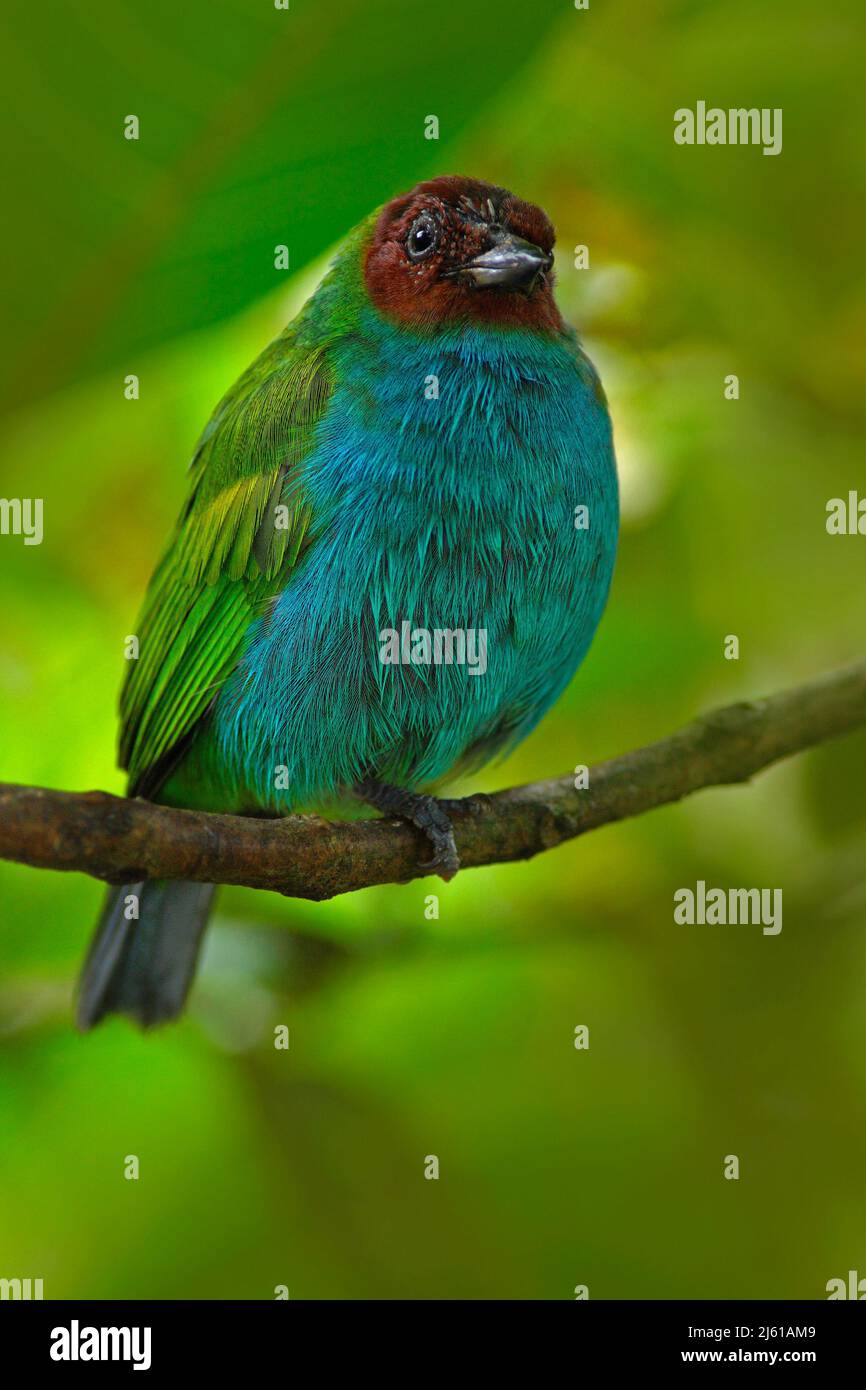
<point x="426" y="444"/>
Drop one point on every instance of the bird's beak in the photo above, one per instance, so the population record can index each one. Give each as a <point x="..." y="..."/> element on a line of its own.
<point x="510" y="264"/>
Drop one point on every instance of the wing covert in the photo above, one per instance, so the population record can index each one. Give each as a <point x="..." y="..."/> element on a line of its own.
<point x="239" y="534"/>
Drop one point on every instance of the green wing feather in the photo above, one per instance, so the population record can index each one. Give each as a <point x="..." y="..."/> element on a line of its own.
<point x="230" y="553"/>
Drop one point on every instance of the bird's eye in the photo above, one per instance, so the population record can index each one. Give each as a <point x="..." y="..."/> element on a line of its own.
<point x="422" y="238"/>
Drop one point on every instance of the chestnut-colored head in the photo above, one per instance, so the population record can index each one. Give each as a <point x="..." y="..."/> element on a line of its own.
<point x="458" y="248"/>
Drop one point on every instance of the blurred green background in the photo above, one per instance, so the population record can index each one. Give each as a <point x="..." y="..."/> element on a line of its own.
<point x="453" y="1037"/>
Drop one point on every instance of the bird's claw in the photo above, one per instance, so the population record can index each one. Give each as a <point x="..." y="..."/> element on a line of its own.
<point x="426" y="813"/>
<point x="446" y="860"/>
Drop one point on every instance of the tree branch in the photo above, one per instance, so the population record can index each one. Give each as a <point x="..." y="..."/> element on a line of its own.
<point x="123" y="841"/>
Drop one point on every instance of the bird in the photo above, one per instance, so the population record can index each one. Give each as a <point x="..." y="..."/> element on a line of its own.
<point x="425" y="452"/>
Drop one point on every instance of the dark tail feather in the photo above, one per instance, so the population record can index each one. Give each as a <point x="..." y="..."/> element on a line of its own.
<point x="144" y="967"/>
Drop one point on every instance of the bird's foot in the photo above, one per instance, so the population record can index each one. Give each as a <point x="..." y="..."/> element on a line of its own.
<point x="427" y="813"/>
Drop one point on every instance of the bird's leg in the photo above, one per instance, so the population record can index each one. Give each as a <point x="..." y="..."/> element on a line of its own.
<point x="424" y="812"/>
